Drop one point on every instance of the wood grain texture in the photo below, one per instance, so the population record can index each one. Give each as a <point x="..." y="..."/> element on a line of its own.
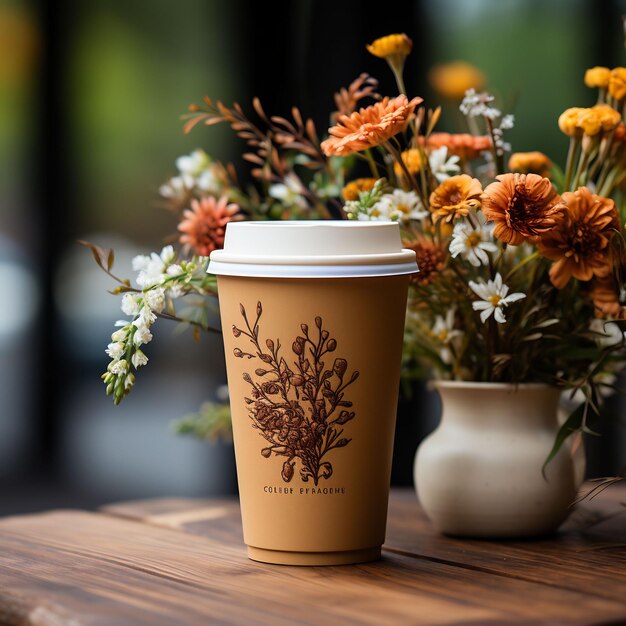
<point x="180" y="562"/>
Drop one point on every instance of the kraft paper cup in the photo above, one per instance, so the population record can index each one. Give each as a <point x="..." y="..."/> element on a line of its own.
<point x="313" y="317"/>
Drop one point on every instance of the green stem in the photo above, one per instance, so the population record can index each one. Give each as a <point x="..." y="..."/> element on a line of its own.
<point x="372" y="164"/>
<point x="521" y="264"/>
<point x="574" y="143"/>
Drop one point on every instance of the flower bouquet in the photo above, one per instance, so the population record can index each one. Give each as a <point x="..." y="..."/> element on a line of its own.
<point x="522" y="263"/>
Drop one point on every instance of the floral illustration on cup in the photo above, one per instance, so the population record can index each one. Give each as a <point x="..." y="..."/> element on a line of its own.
<point x="299" y="408"/>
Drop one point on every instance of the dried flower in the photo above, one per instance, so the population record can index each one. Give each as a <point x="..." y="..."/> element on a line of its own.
<point x="430" y="257"/>
<point x="493" y="298"/>
<point x="369" y="126"/>
<point x="597" y="77"/>
<point x="579" y="243"/>
<point x="455" y="197"/>
<point x="530" y="163"/>
<point x="522" y="206"/>
<point x="617" y="83"/>
<point x="351" y="191"/>
<point x="452" y="80"/>
<point x="204" y="225"/>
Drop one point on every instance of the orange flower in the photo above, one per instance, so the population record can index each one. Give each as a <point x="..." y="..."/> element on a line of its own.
<point x="354" y="187"/>
<point x="530" y="163"/>
<point x="568" y="121"/>
<point x="522" y="206"/>
<point x="369" y="126"/>
<point x="620" y="133"/>
<point x="605" y="296"/>
<point x="452" y="80"/>
<point x="455" y="197"/>
<point x="599" y="118"/>
<point x="203" y="226"/>
<point x="461" y="144"/>
<point x="430" y="259"/>
<point x="412" y="161"/>
<point x="617" y="82"/>
<point x="597" y="76"/>
<point x="579" y="243"/>
<point x="391" y="47"/>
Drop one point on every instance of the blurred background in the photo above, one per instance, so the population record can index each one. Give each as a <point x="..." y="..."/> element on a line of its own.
<point x="91" y="94"/>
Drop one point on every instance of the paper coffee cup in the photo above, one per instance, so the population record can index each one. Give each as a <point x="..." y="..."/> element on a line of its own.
<point x="313" y="317"/>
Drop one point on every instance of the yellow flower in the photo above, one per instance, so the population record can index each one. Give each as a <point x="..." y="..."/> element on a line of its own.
<point x="412" y="161"/>
<point x="597" y="76"/>
<point x="530" y="163"/>
<point x="455" y="197"/>
<point x="617" y="82"/>
<point x="397" y="45"/>
<point x="354" y="187"/>
<point x="452" y="80"/>
<point x="568" y="121"/>
<point x="598" y="118"/>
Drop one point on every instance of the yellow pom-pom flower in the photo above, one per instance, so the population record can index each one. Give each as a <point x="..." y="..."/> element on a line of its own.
<point x="354" y="187"/>
<point x="568" y="121"/>
<point x="617" y="82"/>
<point x="530" y="163"/>
<point x="452" y="80"/>
<point x="412" y="161"/>
<point x="597" y="77"/>
<point x="397" y="45"/>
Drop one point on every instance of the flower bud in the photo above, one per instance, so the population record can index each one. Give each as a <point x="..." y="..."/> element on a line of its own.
<point x="305" y="329"/>
<point x="259" y="308"/>
<point x="331" y="345"/>
<point x="270" y="344"/>
<point x="340" y="366"/>
<point x="318" y="321"/>
<point x="236" y="331"/>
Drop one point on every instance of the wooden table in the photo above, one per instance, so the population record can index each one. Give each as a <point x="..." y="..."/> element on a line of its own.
<point x="177" y="561"/>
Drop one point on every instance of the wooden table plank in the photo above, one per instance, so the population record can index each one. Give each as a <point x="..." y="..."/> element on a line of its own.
<point x="91" y="569"/>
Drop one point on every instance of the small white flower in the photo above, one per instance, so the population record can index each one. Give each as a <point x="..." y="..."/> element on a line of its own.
<point x="193" y="164"/>
<point x="118" y="367"/>
<point x="167" y="254"/>
<point x="130" y="304"/>
<point x="289" y="192"/>
<point x="444" y="332"/>
<point x="142" y="335"/>
<point x="155" y="299"/>
<point x="508" y="121"/>
<point x="177" y="188"/>
<point x="608" y="333"/>
<point x="146" y="318"/>
<point x="119" y="335"/>
<point x="477" y="105"/>
<point x="174" y="270"/>
<point x="493" y="298"/>
<point x="209" y="182"/>
<point x="400" y="205"/>
<point x="129" y="381"/>
<point x="472" y="243"/>
<point x="140" y="262"/>
<point x="116" y="349"/>
<point x="441" y="166"/>
<point x="151" y="273"/>
<point x="139" y="359"/>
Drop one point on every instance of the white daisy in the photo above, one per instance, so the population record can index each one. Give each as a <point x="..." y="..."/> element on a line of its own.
<point x="493" y="298"/>
<point x="441" y="165"/>
<point x="444" y="332"/>
<point x="472" y="243"/>
<point x="401" y="205"/>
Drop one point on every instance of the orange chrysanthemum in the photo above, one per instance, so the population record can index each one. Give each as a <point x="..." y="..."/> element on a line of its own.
<point x="605" y="296"/>
<point x="617" y="83"/>
<point x="430" y="259"/>
<point x="463" y="145"/>
<point x="597" y="77"/>
<point x="579" y="243"/>
<point x="354" y="187"/>
<point x="203" y="226"/>
<point x="530" y="163"/>
<point x="522" y="206"/>
<point x="369" y="126"/>
<point x="455" y="197"/>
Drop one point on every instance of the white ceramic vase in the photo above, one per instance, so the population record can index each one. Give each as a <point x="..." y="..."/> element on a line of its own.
<point x="479" y="474"/>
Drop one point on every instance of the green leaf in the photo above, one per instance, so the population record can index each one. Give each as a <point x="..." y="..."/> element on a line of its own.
<point x="570" y="426"/>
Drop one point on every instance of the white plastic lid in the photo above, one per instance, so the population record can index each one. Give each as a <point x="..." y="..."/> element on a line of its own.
<point x="312" y="249"/>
